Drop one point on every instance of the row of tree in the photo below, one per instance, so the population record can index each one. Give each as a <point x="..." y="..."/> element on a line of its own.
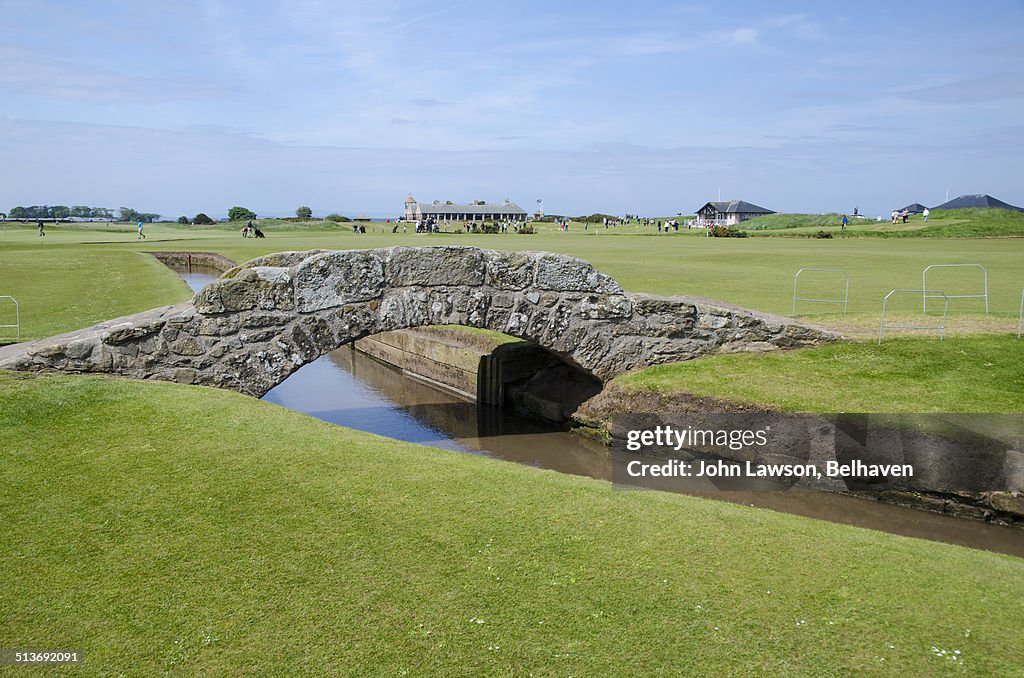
<point x="236" y="213"/>
<point x="82" y="211"/>
<point x="60" y="212"/>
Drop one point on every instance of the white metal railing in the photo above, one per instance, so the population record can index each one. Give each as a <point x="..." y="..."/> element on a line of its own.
<point x="931" y="293"/>
<point x="1020" y="318"/>
<point x="17" y="315"/>
<point x="846" y="289"/>
<point x="924" y="285"/>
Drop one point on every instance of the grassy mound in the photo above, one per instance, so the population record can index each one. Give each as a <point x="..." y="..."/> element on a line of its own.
<point x="182" y="528"/>
<point x="978" y="222"/>
<point x="778" y="222"/>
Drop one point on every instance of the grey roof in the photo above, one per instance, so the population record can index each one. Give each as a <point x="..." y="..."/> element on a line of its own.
<point x="976" y="200"/>
<point x="913" y="208"/>
<point x="736" y="207"/>
<point x="486" y="208"/>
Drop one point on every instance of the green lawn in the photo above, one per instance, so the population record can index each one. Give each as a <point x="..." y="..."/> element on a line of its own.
<point x="979" y="374"/>
<point x="166" y="528"/>
<point x="63" y="287"/>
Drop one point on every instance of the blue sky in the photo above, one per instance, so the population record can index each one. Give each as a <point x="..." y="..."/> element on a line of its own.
<point x="642" y="107"/>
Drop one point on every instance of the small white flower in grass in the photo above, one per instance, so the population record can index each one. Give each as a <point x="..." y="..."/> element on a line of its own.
<point x="716" y="628"/>
<point x="956" y="651"/>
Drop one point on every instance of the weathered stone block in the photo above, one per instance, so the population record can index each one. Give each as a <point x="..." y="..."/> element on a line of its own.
<point x="185" y="375"/>
<point x="80" y="349"/>
<point x="334" y="279"/>
<point x="510" y="270"/>
<point x="432" y="266"/>
<point x="187" y="345"/>
<point x="598" y="307"/>
<point x="567" y="274"/>
<point x="253" y="288"/>
<point x="120" y="334"/>
<point x="1008" y="502"/>
<point x="254" y="319"/>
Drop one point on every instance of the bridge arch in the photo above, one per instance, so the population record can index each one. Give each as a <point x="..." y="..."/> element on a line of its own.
<point x="261" y="321"/>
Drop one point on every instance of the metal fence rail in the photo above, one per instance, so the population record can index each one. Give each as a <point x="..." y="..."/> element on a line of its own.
<point x="846" y="289"/>
<point x="17" y="315"/>
<point x="924" y="285"/>
<point x="931" y="293"/>
<point x="1020" y="319"/>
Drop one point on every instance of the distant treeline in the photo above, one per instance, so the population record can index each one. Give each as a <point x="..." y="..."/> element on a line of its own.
<point x="80" y="211"/>
<point x="596" y="218"/>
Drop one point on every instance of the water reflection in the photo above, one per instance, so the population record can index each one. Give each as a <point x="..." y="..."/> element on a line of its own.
<point x="197" y="277"/>
<point x="350" y="389"/>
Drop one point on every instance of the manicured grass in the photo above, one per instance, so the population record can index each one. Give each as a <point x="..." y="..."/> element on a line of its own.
<point x="962" y="223"/>
<point x="62" y="288"/>
<point x="184" y="529"/>
<point x="980" y="374"/>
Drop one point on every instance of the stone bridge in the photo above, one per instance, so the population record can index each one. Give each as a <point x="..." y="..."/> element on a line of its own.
<point x="263" y="320"/>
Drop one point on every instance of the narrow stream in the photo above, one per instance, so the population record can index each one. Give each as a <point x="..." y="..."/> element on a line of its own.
<point x="350" y="389"/>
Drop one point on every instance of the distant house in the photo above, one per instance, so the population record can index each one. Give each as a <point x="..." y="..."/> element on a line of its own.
<point x="976" y="200"/>
<point x="913" y="208"/>
<point x="728" y="213"/>
<point x="478" y="210"/>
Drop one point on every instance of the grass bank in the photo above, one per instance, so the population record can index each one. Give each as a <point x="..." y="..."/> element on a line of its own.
<point x="980" y="374"/>
<point x="980" y="222"/>
<point x="180" y="528"/>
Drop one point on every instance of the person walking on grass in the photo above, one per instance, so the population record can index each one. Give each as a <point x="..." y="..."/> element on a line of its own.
<point x="926" y="213"/>
<point x="42" y="232"/>
<point x="141" y="236"/>
<point x="845" y="222"/>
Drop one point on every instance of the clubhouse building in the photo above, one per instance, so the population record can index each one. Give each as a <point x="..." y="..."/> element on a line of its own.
<point x="728" y="213"/>
<point x="478" y="210"/>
